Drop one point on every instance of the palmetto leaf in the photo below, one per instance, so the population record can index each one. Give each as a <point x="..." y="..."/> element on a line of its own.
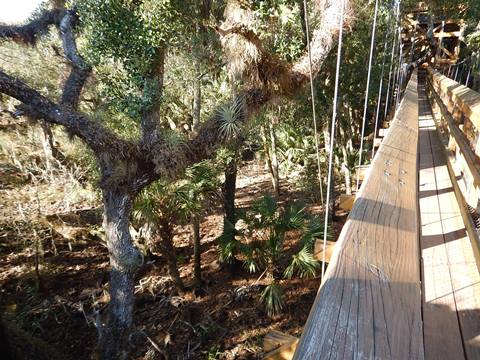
<point x="302" y="263"/>
<point x="265" y="209"/>
<point x="294" y="217"/>
<point x="314" y="230"/>
<point x="272" y="298"/>
<point x="144" y="209"/>
<point x="174" y="140"/>
<point x="254" y="255"/>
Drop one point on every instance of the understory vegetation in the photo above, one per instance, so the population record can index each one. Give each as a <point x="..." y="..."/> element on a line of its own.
<point x="162" y="182"/>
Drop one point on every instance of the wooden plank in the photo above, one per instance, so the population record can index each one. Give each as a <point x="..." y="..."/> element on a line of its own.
<point x="382" y="132"/>
<point x="447" y="34"/>
<point x="369" y="303"/>
<point x="346" y="202"/>
<point x="463" y="267"/>
<point x="465" y="98"/>
<point x="318" y="250"/>
<point x="466" y="162"/>
<point x="441" y="327"/>
<point x="284" y="352"/>
<point x="274" y="339"/>
<point x="362" y="171"/>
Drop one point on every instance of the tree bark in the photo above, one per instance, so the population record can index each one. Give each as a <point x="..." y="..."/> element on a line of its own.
<point x="267" y="150"/>
<point x="125" y="259"/>
<point x="4" y="343"/>
<point x="345" y="169"/>
<point x="229" y="188"/>
<point x="197" y="252"/>
<point x="302" y="21"/>
<point x="275" y="171"/>
<point x="168" y="249"/>
<point x="197" y="95"/>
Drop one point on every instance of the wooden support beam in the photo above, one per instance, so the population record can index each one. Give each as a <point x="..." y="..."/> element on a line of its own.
<point x="447" y="34"/>
<point x="383" y="132"/>
<point x="346" y="202"/>
<point x="284" y="352"/>
<point x="318" y="250"/>
<point x="448" y="53"/>
<point x="362" y="172"/>
<point x="274" y="339"/>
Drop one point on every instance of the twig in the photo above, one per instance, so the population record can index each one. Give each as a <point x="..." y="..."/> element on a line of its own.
<point x="256" y="281"/>
<point x="154" y="344"/>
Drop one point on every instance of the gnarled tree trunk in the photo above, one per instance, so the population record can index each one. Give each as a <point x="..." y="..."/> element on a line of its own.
<point x="125" y="259"/>
<point x="275" y="166"/>
<point x="197" y="251"/>
<point x="168" y="250"/>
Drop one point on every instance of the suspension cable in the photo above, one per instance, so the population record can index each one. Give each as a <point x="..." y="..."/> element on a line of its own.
<point x="392" y="56"/>
<point x="307" y="31"/>
<point x="396" y="75"/>
<point x="332" y="135"/>
<point x="372" y="44"/>
<point x="380" y="87"/>
<point x="400" y="73"/>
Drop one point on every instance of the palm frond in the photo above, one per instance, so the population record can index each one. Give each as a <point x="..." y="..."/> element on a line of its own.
<point x="302" y="263"/>
<point x="228" y="244"/>
<point x="254" y="255"/>
<point x="294" y="216"/>
<point x="174" y="140"/>
<point x="265" y="209"/>
<point x="314" y="230"/>
<point x="272" y="298"/>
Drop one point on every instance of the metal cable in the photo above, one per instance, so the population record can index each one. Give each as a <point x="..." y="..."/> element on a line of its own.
<point x="392" y="68"/>
<point x="313" y="101"/>
<point x="380" y="87"/>
<point x="332" y="135"/>
<point x="372" y="44"/>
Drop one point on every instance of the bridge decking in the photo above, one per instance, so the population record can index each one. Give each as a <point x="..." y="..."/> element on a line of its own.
<point x="376" y="300"/>
<point x="451" y="282"/>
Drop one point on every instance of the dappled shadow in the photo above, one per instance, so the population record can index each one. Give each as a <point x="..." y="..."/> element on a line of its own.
<point x="364" y="206"/>
<point x="428" y="193"/>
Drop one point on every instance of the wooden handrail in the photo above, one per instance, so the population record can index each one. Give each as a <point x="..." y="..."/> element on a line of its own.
<point x="462" y="103"/>
<point x="459" y="110"/>
<point x="369" y="302"/>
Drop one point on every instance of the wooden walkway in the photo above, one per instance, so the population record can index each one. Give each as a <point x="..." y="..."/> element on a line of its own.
<point x="369" y="303"/>
<point x="402" y="282"/>
<point x="451" y="281"/>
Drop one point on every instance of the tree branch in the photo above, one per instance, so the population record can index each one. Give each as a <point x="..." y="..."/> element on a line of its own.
<point x="29" y="33"/>
<point x="80" y="70"/>
<point x="97" y="137"/>
<point x="151" y="115"/>
<point x="278" y="79"/>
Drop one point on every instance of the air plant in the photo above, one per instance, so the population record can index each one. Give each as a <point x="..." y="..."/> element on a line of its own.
<point x="230" y="118"/>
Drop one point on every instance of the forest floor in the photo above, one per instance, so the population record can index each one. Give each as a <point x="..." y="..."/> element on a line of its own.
<point x="54" y="275"/>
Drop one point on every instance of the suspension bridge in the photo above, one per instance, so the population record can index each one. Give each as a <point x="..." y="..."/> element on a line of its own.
<point x="403" y="278"/>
